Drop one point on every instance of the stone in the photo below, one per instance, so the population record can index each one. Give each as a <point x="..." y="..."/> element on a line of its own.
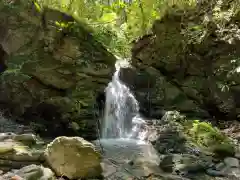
<point x="213" y="172"/>
<point x="142" y="167"/>
<point x="31" y="172"/>
<point x="235" y="172"/>
<point x="73" y="157"/>
<point x="220" y="166"/>
<point x="183" y="163"/>
<point x="6" y="147"/>
<point x="29" y="139"/>
<point x="231" y="162"/>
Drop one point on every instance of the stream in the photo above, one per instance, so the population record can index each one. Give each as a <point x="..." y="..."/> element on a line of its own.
<point x="123" y="130"/>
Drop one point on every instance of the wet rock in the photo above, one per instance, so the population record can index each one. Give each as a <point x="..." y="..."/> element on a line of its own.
<point x="231" y="162"/>
<point x="73" y="157"/>
<point x="142" y="167"/>
<point x="183" y="164"/>
<point x="237" y="155"/>
<point x="31" y="172"/>
<point x="219" y="166"/>
<point x="213" y="172"/>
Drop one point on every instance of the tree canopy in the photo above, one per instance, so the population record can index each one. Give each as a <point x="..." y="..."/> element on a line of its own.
<point x="115" y="23"/>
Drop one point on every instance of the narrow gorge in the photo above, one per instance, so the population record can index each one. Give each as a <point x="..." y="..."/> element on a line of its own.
<point x="119" y="90"/>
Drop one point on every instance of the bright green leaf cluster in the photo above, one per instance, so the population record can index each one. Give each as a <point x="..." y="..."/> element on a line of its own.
<point x="116" y="23"/>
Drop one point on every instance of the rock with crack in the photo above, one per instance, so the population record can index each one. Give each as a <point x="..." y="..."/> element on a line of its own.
<point x="73" y="157"/>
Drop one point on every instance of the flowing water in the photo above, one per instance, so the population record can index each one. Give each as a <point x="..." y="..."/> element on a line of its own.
<point x="123" y="130"/>
<point x="121" y="117"/>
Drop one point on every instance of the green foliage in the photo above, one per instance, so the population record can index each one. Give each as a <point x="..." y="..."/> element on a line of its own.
<point x="115" y="23"/>
<point x="207" y="136"/>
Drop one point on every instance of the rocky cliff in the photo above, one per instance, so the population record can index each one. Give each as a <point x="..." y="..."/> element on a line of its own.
<point x="55" y="70"/>
<point x="192" y="56"/>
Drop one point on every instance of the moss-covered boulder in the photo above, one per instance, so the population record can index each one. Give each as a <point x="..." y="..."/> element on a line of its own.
<point x="193" y="52"/>
<point x="174" y="133"/>
<point x="54" y="71"/>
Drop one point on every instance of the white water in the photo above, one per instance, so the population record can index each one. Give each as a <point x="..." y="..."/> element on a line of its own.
<point x="123" y="133"/>
<point x="121" y="117"/>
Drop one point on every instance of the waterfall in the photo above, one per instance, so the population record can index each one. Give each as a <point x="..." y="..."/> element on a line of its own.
<point x="121" y="115"/>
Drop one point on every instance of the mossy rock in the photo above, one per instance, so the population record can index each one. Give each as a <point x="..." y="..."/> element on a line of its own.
<point x="209" y="138"/>
<point x="224" y="150"/>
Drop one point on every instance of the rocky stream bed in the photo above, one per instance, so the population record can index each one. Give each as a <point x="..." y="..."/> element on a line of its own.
<point x="52" y="84"/>
<point x="166" y="154"/>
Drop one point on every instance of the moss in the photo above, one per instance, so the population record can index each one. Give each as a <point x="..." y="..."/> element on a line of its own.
<point x="207" y="137"/>
<point x="223" y="150"/>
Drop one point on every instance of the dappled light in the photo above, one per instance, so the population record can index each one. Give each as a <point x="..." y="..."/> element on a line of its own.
<point x="119" y="90"/>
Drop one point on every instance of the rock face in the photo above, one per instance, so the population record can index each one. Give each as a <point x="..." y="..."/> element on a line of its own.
<point x="193" y="55"/>
<point x="73" y="157"/>
<point x="54" y="73"/>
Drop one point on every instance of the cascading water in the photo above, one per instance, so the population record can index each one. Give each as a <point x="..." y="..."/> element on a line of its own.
<point x="121" y="116"/>
<point x="123" y="130"/>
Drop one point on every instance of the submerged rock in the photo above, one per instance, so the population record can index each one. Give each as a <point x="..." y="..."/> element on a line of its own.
<point x="73" y="157"/>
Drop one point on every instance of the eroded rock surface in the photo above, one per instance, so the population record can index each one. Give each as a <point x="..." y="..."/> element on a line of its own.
<point x="53" y="75"/>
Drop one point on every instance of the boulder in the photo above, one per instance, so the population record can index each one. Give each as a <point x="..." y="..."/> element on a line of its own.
<point x="54" y="74"/>
<point x="231" y="162"/>
<point x="73" y="157"/>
